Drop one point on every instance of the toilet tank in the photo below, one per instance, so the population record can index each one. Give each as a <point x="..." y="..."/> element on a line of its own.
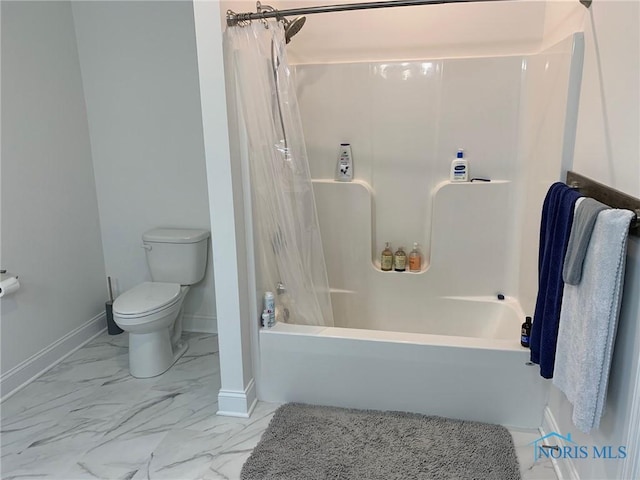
<point x="176" y="255"/>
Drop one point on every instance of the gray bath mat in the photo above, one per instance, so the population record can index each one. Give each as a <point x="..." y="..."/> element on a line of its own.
<point x="305" y="442"/>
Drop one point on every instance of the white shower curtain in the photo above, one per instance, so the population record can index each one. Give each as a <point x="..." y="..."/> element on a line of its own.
<point x="288" y="243"/>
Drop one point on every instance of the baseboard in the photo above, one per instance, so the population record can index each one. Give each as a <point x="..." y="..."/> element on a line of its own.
<point x="199" y="323"/>
<point x="235" y="403"/>
<point x="30" y="369"/>
<point x="566" y="469"/>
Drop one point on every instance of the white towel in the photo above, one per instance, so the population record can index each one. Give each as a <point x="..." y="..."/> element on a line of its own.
<point x="588" y="320"/>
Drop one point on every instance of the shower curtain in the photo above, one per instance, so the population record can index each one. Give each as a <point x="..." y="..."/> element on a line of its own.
<point x="288" y="244"/>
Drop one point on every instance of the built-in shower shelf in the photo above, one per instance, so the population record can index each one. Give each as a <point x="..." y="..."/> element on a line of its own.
<point x="376" y="266"/>
<point x="475" y="183"/>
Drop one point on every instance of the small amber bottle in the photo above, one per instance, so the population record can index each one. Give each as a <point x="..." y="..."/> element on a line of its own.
<point x="386" y="261"/>
<point x="400" y="260"/>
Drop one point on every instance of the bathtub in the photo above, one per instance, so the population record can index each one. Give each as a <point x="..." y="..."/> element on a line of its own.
<point x="461" y="360"/>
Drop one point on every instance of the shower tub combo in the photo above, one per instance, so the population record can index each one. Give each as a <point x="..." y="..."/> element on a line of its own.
<point x="441" y="341"/>
<point x="401" y="341"/>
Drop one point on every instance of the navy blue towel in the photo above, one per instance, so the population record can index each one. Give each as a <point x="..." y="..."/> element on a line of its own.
<point x="555" y="227"/>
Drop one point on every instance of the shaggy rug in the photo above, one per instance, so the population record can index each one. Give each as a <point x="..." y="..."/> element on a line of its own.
<point x="305" y="442"/>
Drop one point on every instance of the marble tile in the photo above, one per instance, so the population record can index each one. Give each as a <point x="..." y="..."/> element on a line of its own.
<point x="89" y="418"/>
<point x="16" y="436"/>
<point x="191" y="372"/>
<point x="200" y="343"/>
<point x="112" y="399"/>
<point x="227" y="465"/>
<point x="42" y="398"/>
<point x="529" y="468"/>
<point x="116" y="458"/>
<point x="245" y="436"/>
<point x="182" y="454"/>
<point x="72" y="425"/>
<point x="161" y="411"/>
<point x="53" y="448"/>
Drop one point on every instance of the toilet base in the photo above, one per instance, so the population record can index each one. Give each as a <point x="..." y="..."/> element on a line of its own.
<point x="151" y="354"/>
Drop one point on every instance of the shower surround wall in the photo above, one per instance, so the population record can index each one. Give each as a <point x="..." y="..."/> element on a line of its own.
<point x="405" y="121"/>
<point x="436" y="341"/>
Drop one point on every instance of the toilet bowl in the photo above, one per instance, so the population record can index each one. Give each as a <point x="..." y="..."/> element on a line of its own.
<point x="152" y="314"/>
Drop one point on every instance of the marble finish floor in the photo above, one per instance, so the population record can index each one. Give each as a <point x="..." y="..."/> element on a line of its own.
<point x="87" y="418"/>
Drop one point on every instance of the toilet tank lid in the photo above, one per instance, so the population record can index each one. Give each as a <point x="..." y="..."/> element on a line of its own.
<point x="175" y="235"/>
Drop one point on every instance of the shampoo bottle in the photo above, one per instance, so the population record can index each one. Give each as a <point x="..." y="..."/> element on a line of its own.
<point x="386" y="260"/>
<point x="415" y="259"/>
<point x="525" y="333"/>
<point x="344" y="168"/>
<point x="459" y="168"/>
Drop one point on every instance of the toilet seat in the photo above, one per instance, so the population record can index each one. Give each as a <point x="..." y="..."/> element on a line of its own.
<point x="146" y="299"/>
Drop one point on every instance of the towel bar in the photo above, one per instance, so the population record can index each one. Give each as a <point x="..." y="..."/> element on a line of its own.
<point x="607" y="195"/>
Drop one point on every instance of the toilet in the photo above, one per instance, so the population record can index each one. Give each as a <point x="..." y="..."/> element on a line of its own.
<point x="152" y="312"/>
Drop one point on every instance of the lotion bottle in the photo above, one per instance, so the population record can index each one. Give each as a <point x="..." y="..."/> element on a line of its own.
<point x="344" y="168"/>
<point x="459" y="168"/>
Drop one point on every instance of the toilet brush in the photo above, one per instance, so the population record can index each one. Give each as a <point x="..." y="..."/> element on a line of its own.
<point x="112" y="326"/>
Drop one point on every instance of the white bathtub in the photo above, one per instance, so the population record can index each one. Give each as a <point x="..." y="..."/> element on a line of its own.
<point x="470" y="366"/>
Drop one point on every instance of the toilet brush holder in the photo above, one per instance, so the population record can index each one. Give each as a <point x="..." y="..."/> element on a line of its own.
<point x="112" y="326"/>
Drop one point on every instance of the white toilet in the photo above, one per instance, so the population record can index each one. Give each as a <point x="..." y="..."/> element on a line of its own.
<point x="152" y="312"/>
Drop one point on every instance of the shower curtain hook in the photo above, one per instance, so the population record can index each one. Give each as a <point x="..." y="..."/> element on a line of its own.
<point x="264" y="8"/>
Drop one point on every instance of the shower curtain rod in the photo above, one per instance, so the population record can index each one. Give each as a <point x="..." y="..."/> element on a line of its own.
<point x="234" y="18"/>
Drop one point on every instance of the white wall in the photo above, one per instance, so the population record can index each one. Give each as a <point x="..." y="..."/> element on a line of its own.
<point x="405" y="122"/>
<point x="546" y="114"/>
<point x="140" y="77"/>
<point x="607" y="150"/>
<point x="561" y="19"/>
<point x="50" y="229"/>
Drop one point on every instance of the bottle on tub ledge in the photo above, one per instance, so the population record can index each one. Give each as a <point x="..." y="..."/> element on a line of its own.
<point x="386" y="259"/>
<point x="415" y="259"/>
<point x="400" y="260"/>
<point x="344" y="168"/>
<point x="525" y="333"/>
<point x="269" y="312"/>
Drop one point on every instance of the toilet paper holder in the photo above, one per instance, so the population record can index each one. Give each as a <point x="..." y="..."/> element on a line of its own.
<point x="4" y="272"/>
<point x="9" y="283"/>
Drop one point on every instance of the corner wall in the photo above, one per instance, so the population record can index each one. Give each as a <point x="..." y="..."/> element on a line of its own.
<point x="549" y="113"/>
<point x="50" y="230"/>
<point x="140" y="76"/>
<point x="236" y="327"/>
